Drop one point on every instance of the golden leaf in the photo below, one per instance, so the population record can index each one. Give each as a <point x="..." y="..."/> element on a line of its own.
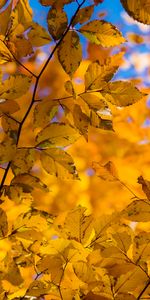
<point x="21" y="18"/>
<point x="28" y="182"/>
<point x="57" y="22"/>
<point x="15" y="86"/>
<point x="138" y="10"/>
<point x="23" y="160"/>
<point x="57" y="134"/>
<point x="13" y="275"/>
<point x="83" y="15"/>
<point x="81" y="121"/>
<point x="106" y="172"/>
<point x="70" y="53"/>
<point x="70" y="88"/>
<point x="141" y="247"/>
<point x="78" y="226"/>
<point x="38" y="36"/>
<point x="138" y="211"/>
<point x="8" y="106"/>
<point x="59" y="163"/>
<point x="7" y="150"/>
<point x="38" y="288"/>
<point x="3" y="223"/>
<point x="97" y="74"/>
<point x="102" y="33"/>
<point x="5" y="54"/>
<point x="145" y="186"/>
<point x="94" y="101"/>
<point x="4" y="19"/>
<point x="121" y="93"/>
<point x="44" y="112"/>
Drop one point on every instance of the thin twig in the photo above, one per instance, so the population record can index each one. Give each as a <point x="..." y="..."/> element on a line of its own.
<point x="36" y="86"/>
<point x="144" y="289"/>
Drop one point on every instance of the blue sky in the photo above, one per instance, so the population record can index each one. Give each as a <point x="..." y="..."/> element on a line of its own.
<point x="116" y="15"/>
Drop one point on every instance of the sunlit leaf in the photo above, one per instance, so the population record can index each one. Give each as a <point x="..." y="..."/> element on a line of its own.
<point x="5" y="54"/>
<point x="15" y="86"/>
<point x="138" y="211"/>
<point x="28" y="182"/>
<point x="70" y="53"/>
<point x="23" y="160"/>
<point x="138" y="10"/>
<point x="59" y="163"/>
<point x="57" y="134"/>
<point x="83" y="15"/>
<point x="38" y="36"/>
<point x="57" y="22"/>
<point x="102" y="33"/>
<point x="97" y="74"/>
<point x="5" y="18"/>
<point x="145" y="186"/>
<point x="3" y="223"/>
<point x="122" y="93"/>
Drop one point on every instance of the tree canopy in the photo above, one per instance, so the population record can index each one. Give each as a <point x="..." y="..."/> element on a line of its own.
<point x="74" y="154"/>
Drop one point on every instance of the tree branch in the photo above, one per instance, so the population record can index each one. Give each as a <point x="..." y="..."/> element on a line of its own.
<point x="36" y="86"/>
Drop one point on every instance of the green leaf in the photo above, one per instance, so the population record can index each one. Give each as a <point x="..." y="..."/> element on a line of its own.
<point x="70" y="53"/>
<point x="57" y="134"/>
<point x="102" y="33"/>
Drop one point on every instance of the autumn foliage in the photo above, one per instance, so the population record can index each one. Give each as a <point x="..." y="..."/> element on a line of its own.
<point x="74" y="170"/>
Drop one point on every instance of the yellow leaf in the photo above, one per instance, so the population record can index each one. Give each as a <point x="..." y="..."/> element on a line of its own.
<point x="98" y="122"/>
<point x="5" y="54"/>
<point x="70" y="53"/>
<point x="13" y="275"/>
<point x="138" y="10"/>
<point x="28" y="182"/>
<point x="106" y="172"/>
<point x="70" y="88"/>
<point x="44" y="112"/>
<point x="8" y="106"/>
<point x="38" y="288"/>
<point x="83" y="15"/>
<point x="59" y="163"/>
<point x="38" y="36"/>
<point x="4" y="19"/>
<point x="81" y="121"/>
<point x="102" y="33"/>
<point x="121" y="93"/>
<point x="138" y="211"/>
<point x="23" y="160"/>
<point x="53" y="265"/>
<point x="15" y="86"/>
<point x="94" y="101"/>
<point x="7" y="150"/>
<point x="21" y="18"/>
<point x="145" y="186"/>
<point x="57" y="134"/>
<point x="20" y="46"/>
<point x="97" y="74"/>
<point x="3" y="223"/>
<point x="141" y="247"/>
<point x="78" y="226"/>
<point x="84" y="272"/>
<point x="57" y="22"/>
